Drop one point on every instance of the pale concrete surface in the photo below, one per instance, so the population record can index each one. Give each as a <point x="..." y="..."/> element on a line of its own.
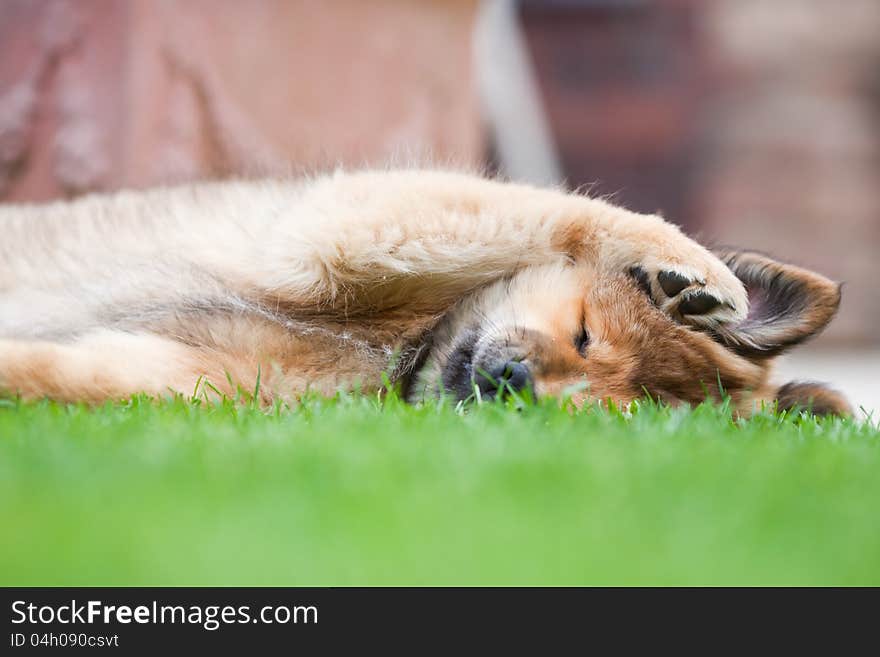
<point x="854" y="372"/>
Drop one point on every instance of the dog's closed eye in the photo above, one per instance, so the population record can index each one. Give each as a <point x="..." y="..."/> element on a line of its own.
<point x="582" y="341"/>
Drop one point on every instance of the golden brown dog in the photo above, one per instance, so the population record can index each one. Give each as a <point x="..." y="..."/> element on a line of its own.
<point x="451" y="282"/>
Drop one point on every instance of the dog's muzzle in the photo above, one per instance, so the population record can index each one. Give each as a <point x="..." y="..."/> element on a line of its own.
<point x="491" y="370"/>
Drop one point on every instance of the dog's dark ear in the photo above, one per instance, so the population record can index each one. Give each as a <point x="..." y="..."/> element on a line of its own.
<point x="787" y="305"/>
<point x="816" y="398"/>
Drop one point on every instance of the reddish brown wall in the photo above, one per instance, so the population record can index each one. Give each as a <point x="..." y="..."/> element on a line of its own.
<point x="98" y="94"/>
<point x="623" y="85"/>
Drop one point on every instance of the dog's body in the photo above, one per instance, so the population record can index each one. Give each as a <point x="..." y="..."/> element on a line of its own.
<point x="448" y="282"/>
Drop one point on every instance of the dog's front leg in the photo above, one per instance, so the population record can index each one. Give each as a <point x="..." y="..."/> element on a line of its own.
<point x="419" y="240"/>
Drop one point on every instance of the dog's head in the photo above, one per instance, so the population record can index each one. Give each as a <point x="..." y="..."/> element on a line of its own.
<point x="562" y="329"/>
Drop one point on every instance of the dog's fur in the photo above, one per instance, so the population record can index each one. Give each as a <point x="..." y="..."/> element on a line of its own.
<point x="439" y="278"/>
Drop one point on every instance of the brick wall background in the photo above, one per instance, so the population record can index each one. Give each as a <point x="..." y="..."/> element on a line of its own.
<point x="99" y="94"/>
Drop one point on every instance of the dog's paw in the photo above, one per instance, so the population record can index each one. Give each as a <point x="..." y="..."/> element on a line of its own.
<point x="690" y="295"/>
<point x="684" y="279"/>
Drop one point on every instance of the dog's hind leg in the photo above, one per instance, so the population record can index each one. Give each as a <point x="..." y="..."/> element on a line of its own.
<point x="98" y="366"/>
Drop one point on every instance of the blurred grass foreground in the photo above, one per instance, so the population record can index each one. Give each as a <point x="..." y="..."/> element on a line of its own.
<point x="357" y="491"/>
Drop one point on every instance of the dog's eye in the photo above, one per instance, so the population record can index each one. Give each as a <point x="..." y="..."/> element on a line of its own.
<point x="582" y="342"/>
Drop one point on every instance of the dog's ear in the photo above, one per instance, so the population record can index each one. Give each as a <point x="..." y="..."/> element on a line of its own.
<point x="816" y="398"/>
<point x="787" y="305"/>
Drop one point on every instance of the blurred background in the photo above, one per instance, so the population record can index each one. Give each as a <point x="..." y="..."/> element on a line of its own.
<point x="748" y="122"/>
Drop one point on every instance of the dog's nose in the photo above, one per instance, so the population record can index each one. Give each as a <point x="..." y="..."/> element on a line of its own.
<point x="506" y="376"/>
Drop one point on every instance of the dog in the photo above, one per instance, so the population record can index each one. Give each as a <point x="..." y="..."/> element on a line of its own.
<point x="445" y="282"/>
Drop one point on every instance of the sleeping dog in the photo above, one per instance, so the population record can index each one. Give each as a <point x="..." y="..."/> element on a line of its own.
<point x="449" y="283"/>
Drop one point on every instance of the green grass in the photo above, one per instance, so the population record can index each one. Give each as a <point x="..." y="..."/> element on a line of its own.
<point x="354" y="491"/>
